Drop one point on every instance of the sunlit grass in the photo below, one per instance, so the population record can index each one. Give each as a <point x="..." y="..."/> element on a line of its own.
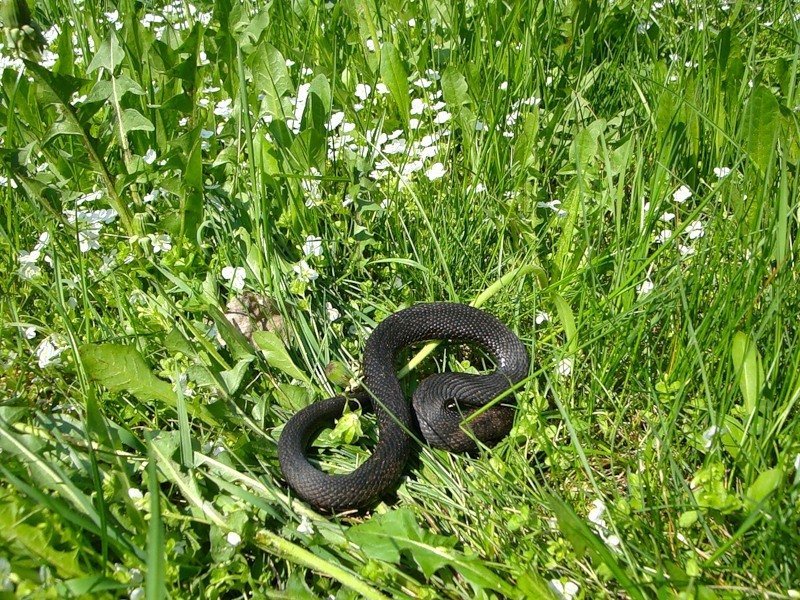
<point x="326" y="164"/>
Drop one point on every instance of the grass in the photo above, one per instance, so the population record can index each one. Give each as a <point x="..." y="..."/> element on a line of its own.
<point x="626" y="171"/>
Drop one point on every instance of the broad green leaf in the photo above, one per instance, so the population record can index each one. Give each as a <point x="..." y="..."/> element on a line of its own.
<point x="533" y="585"/>
<point x="394" y="75"/>
<point x="322" y="90"/>
<point x="249" y="31"/>
<point x="87" y="520"/>
<point x="37" y="541"/>
<point x="585" y="145"/>
<point x="133" y="120"/>
<point x="47" y="474"/>
<point x="276" y="355"/>
<point x="748" y="369"/>
<point x="525" y="146"/>
<point x="688" y="518"/>
<point x="454" y="88"/>
<point x="292" y="397"/>
<point x="271" y="77"/>
<point x="187" y="484"/>
<point x="348" y="428"/>
<point x="764" y="485"/>
<point x="125" y="85"/>
<point x="567" y="321"/>
<point x="14" y="14"/>
<point x="583" y="538"/>
<point x="337" y="372"/>
<point x="104" y="89"/>
<point x="760" y="127"/>
<point x="568" y="226"/>
<point x="233" y="377"/>
<point x="385" y="537"/>
<point x="710" y="489"/>
<point x="56" y="88"/>
<point x="63" y="127"/>
<point x="318" y="106"/>
<point x="92" y="585"/>
<point x="191" y="208"/>
<point x="122" y="368"/>
<point x="109" y="56"/>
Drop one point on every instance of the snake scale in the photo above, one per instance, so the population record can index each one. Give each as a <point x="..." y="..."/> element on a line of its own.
<point x="440" y="404"/>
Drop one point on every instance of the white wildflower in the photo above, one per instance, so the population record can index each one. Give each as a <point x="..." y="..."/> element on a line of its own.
<point x="49" y="350"/>
<point x="333" y="314"/>
<point x="151" y="196"/>
<point x="663" y="236"/>
<point x="161" y="242"/>
<point x="150" y="156"/>
<point x="721" y="172"/>
<point x="363" y="91"/>
<point x="554" y="206"/>
<point x="564" y="367"/>
<point x="645" y="287"/>
<point x="28" y="267"/>
<point x="564" y="591"/>
<point x="397" y="146"/>
<point x="334" y="121"/>
<point x="437" y="171"/>
<point x="88" y="238"/>
<point x="135" y="494"/>
<point x="233" y="538"/>
<point x="709" y="435"/>
<point x="682" y="194"/>
<point x="90" y="197"/>
<point x="596" y="518"/>
<point x="695" y="230"/>
<point x="137" y="594"/>
<point x="305" y="272"/>
<point x="305" y="527"/>
<point x="541" y="317"/>
<point x="235" y="275"/>
<point x="312" y="246"/>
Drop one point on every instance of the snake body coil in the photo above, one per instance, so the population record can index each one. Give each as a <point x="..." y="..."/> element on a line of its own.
<point x="440" y="403"/>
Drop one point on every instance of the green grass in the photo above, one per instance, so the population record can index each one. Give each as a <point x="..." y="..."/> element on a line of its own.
<point x="656" y="451"/>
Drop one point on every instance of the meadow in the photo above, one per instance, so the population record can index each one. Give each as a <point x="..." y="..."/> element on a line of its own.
<point x="208" y="206"/>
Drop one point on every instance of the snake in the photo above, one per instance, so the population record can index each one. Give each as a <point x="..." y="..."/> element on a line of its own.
<point x="437" y="409"/>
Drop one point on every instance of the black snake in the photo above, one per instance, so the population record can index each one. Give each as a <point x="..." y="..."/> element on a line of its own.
<point x="440" y="403"/>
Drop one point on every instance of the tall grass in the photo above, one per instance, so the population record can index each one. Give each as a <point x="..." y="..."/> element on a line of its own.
<point x="330" y="163"/>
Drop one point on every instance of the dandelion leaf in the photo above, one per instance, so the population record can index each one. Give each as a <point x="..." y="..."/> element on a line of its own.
<point x="760" y="127"/>
<point x="385" y="537"/>
<point x="394" y="76"/>
<point x="748" y="369"/>
<point x="122" y="368"/>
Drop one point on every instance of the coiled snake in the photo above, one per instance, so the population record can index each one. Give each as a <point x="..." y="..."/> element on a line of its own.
<point x="440" y="404"/>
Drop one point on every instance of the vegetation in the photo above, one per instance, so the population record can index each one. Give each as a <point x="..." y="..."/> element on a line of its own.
<point x="208" y="206"/>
